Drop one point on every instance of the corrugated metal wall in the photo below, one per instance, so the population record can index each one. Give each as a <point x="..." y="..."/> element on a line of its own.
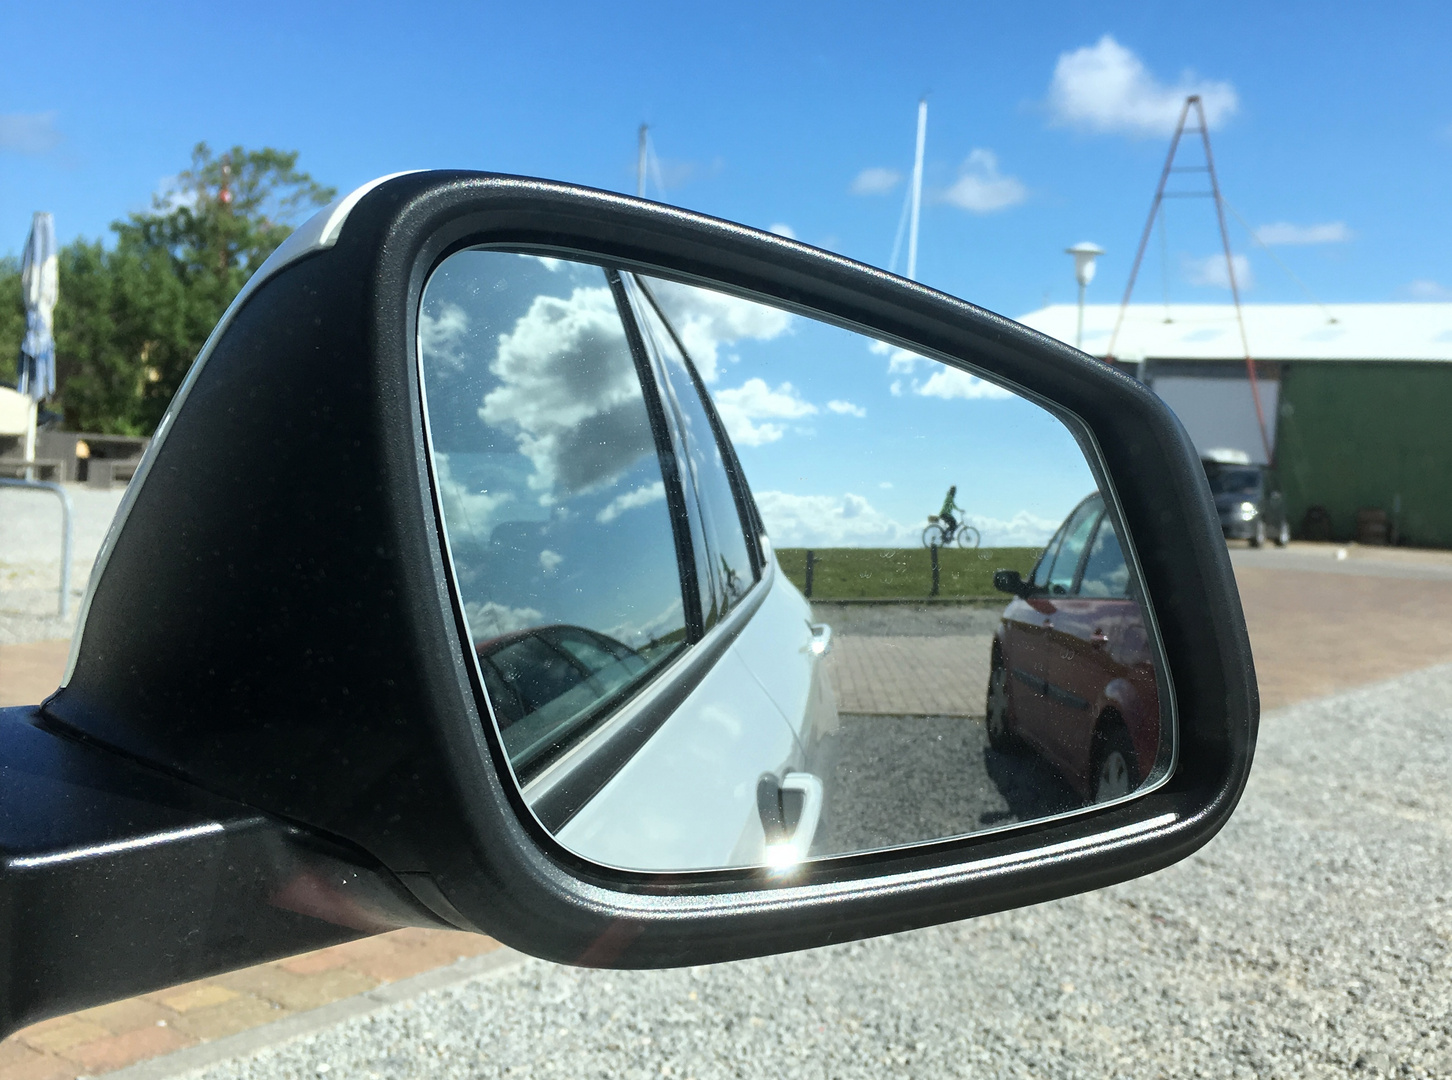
<point x="1356" y="435"/>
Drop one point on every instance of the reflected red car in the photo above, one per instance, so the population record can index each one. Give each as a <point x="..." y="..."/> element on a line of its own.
<point x="1072" y="673"/>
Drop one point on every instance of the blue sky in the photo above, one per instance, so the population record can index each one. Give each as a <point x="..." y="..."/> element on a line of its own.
<point x="1048" y="125"/>
<point x="766" y="113"/>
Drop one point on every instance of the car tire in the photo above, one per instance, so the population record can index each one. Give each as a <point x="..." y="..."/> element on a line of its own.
<point x="1257" y="538"/>
<point x="998" y="712"/>
<point x="1283" y="534"/>
<point x="1116" y="769"/>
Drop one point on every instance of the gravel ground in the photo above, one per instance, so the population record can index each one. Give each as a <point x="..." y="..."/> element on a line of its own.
<point x="906" y="779"/>
<point x="30" y="557"/>
<point x="1310" y="939"/>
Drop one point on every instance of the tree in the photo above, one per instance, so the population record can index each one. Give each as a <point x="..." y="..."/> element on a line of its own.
<point x="131" y="320"/>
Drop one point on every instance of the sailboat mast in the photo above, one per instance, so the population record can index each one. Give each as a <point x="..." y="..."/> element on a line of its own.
<point x="912" y="263"/>
<point x="640" y="163"/>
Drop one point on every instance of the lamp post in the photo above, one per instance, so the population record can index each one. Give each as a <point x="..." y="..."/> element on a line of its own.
<point x="1084" y="256"/>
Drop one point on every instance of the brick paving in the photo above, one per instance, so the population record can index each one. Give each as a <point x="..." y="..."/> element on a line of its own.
<point x="911" y="676"/>
<point x="113" y="1036"/>
<point x="1314" y="633"/>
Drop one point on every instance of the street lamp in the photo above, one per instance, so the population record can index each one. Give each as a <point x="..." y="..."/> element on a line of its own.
<point x="1084" y="256"/>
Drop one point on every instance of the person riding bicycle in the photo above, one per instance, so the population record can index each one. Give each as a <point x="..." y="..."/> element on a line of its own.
<point x="945" y="515"/>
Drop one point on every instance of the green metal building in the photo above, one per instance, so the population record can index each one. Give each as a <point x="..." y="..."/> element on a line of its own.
<point x="1357" y="398"/>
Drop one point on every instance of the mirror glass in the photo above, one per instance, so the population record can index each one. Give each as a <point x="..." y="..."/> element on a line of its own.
<point x="745" y="588"/>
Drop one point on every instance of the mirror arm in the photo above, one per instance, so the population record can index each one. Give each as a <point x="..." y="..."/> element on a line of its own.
<point x="116" y="880"/>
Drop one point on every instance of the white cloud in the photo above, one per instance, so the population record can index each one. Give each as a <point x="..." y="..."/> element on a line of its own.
<point x="1210" y="271"/>
<point x="441" y="335"/>
<point x="754" y="400"/>
<point x="949" y="382"/>
<point x="942" y="381"/>
<point x="170" y="195"/>
<point x="641" y="496"/>
<point x="781" y="228"/>
<point x="1106" y="88"/>
<point x="490" y="620"/>
<point x="1283" y="232"/>
<point x="981" y="188"/>
<point x="639" y="634"/>
<point x="846" y="408"/>
<point x="29" y="133"/>
<point x="846" y="520"/>
<point x="899" y="361"/>
<point x="1022" y="530"/>
<point x="1427" y="289"/>
<point x="548" y="560"/>
<point x="707" y="320"/>
<point x="850" y="520"/>
<point x="875" y="181"/>
<point x="474" y="511"/>
<point x="886" y="485"/>
<point x="568" y="384"/>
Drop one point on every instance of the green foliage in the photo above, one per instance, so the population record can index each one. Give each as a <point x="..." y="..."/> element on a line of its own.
<point x="12" y="318"/>
<point x="131" y="320"/>
<point x="900" y="573"/>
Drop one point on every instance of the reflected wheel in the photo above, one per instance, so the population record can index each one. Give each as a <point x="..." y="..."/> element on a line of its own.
<point x="968" y="537"/>
<point x="1283" y="534"/>
<point x="998" y="713"/>
<point x="1115" y="769"/>
<point x="933" y="536"/>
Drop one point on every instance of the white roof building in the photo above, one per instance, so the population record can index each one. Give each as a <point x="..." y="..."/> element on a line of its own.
<point x="1407" y="331"/>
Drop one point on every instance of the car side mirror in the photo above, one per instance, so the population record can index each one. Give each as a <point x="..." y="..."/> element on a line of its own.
<point x="459" y="586"/>
<point x="1011" y="582"/>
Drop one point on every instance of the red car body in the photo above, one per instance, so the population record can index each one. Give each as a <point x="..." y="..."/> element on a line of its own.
<point x="1072" y="662"/>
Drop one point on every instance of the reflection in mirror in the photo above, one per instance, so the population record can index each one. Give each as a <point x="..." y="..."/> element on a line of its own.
<point x="746" y="589"/>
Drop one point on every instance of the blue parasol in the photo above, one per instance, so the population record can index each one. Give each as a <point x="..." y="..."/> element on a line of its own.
<point x="40" y="284"/>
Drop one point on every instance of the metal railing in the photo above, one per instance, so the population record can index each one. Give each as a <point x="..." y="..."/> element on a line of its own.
<point x="67" y="532"/>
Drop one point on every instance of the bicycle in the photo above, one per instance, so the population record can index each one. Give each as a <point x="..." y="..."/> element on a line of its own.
<point x="938" y="534"/>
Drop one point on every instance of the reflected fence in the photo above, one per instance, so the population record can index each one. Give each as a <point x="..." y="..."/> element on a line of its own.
<point x="902" y="574"/>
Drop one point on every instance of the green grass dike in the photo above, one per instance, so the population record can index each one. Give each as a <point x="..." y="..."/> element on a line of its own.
<point x="896" y="573"/>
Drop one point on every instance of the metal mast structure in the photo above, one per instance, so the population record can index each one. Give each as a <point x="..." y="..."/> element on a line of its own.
<point x="1203" y="130"/>
<point x="640" y="162"/>
<point x="917" y="192"/>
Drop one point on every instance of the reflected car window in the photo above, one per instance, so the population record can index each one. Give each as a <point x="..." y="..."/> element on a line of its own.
<point x="1076" y="537"/>
<point x="1234" y="481"/>
<point x="1040" y="577"/>
<point x="726" y="566"/>
<point x="1105" y="572"/>
<point x="551" y="491"/>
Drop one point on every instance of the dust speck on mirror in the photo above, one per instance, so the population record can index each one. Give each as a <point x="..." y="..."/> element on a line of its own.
<point x="746" y="589"/>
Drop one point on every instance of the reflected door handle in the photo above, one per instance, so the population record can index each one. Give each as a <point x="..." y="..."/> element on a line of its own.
<point x="1099" y="639"/>
<point x="787" y="847"/>
<point x="821" y="643"/>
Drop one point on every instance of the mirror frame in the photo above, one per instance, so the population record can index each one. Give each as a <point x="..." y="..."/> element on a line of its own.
<point x="441" y="812"/>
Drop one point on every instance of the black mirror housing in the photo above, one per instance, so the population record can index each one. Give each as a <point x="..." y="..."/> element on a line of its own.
<point x="1011" y="582"/>
<point x="274" y="622"/>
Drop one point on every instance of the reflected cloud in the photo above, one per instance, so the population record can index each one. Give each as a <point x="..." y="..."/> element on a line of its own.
<point x="568" y="384"/>
<point x="491" y="620"/>
<point x="476" y="510"/>
<point x="441" y="336"/>
<point x="707" y="320"/>
<point x="942" y="382"/>
<point x="641" y="496"/>
<point x="846" y="520"/>
<point x="754" y="400"/>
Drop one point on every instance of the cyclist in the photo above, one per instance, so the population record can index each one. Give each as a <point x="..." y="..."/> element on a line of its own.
<point x="945" y="515"/>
